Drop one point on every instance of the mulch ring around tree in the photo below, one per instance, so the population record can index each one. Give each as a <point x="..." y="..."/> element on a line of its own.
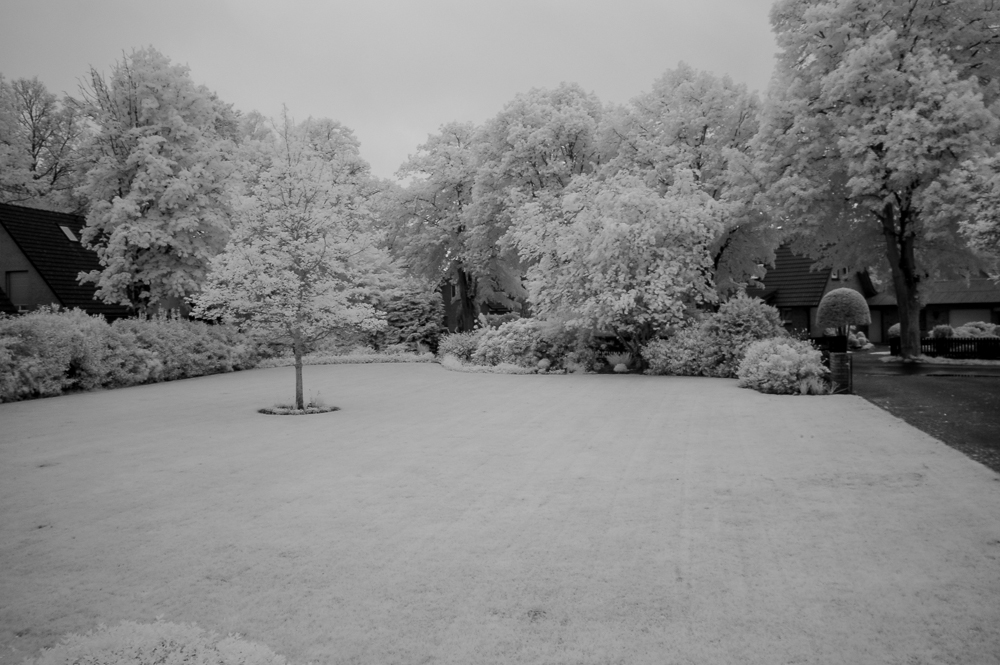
<point x="289" y="410"/>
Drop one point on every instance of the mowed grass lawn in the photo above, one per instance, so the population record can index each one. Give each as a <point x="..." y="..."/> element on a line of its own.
<point x="442" y="517"/>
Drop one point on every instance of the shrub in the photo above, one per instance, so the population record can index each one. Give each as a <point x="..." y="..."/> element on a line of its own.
<point x="656" y="352"/>
<point x="715" y="346"/>
<point x="191" y="348"/>
<point x="783" y="366"/>
<point x="497" y="320"/>
<point x="942" y="332"/>
<point x="842" y="308"/>
<point x="51" y="351"/>
<point x="682" y="354"/>
<point x="976" y="329"/>
<point x="414" y="317"/>
<point x="160" y="642"/>
<point x="461" y="345"/>
<point x="857" y="340"/>
<point x="567" y="347"/>
<point x="739" y="322"/>
<point x="515" y="343"/>
<point x="893" y="330"/>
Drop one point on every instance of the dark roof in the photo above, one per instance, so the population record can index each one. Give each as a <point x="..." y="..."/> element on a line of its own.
<point x="792" y="282"/>
<point x="977" y="291"/>
<point x="57" y="258"/>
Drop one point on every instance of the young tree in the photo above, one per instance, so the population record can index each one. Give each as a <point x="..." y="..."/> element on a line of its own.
<point x="878" y="111"/>
<point x="39" y="141"/>
<point x="615" y="255"/>
<point x="300" y="242"/>
<point x="158" y="167"/>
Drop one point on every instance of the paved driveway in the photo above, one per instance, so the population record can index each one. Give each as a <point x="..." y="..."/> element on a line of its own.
<point x="958" y="404"/>
<point x="458" y="518"/>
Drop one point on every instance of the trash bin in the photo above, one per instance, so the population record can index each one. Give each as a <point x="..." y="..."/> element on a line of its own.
<point x="841" y="373"/>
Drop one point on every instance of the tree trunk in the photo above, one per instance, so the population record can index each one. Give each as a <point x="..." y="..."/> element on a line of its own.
<point x="902" y="261"/>
<point x="299" y="401"/>
<point x="467" y="313"/>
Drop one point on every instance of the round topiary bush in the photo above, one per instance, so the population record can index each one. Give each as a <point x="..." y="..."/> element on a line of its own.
<point x="893" y="330"/>
<point x="842" y="308"/>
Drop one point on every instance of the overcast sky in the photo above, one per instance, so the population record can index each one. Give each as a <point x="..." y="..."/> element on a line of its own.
<point x="394" y="71"/>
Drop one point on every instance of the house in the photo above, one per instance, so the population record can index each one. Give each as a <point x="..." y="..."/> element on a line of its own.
<point x="952" y="302"/>
<point x="795" y="288"/>
<point x="40" y="260"/>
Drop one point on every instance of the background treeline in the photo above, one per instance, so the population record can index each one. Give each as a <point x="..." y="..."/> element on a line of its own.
<point x="875" y="148"/>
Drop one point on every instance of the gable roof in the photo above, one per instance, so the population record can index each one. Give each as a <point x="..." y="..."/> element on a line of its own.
<point x="57" y="259"/>
<point x="792" y="282"/>
<point x="977" y="291"/>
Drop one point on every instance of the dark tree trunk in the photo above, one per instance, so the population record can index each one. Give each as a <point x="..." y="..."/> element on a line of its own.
<point x="467" y="311"/>
<point x="902" y="261"/>
<point x="299" y="400"/>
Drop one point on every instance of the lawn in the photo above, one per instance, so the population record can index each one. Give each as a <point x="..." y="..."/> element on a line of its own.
<point x="443" y="517"/>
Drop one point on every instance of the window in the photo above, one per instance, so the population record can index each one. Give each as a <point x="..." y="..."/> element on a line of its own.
<point x="17" y="287"/>
<point x="68" y="232"/>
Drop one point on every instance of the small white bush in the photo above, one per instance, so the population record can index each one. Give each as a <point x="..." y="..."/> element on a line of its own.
<point x="159" y="643"/>
<point x="783" y="366"/>
<point x="513" y="343"/>
<point x="976" y="329"/>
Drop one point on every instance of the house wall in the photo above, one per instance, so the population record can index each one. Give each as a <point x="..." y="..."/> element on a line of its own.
<point x="958" y="317"/>
<point x="12" y="259"/>
<point x="844" y="281"/>
<point x="876" y="333"/>
<point x="796" y="318"/>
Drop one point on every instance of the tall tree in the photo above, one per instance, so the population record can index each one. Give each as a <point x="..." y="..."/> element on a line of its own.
<point x="158" y="166"/>
<point x="299" y="248"/>
<point x="468" y="182"/>
<point x="616" y="255"/>
<point x="532" y="149"/>
<point x="39" y="140"/>
<point x="701" y="124"/>
<point x="431" y="234"/>
<point x="878" y="109"/>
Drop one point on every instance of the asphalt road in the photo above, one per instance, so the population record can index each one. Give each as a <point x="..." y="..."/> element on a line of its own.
<point x="957" y="404"/>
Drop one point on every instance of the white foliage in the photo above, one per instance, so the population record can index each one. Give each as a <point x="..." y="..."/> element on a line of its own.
<point x="299" y="247"/>
<point x="616" y="255"/>
<point x="158" y="169"/>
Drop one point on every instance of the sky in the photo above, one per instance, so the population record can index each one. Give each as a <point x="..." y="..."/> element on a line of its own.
<point x="394" y="71"/>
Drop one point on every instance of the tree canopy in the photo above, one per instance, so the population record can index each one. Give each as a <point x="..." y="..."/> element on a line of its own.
<point x="158" y="168"/>
<point x="877" y="112"/>
<point x="40" y="137"/>
<point x="300" y="245"/>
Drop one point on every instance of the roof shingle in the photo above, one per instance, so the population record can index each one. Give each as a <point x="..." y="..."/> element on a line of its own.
<point x="792" y="282"/>
<point x="57" y="259"/>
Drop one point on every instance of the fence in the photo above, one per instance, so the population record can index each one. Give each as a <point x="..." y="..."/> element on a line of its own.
<point x="987" y="348"/>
